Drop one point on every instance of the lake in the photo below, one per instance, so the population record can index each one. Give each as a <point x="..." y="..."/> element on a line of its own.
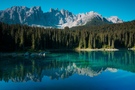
<point x="94" y="70"/>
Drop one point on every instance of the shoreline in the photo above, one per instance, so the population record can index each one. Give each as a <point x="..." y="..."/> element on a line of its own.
<point x="61" y="50"/>
<point x="97" y="49"/>
<point x="103" y="49"/>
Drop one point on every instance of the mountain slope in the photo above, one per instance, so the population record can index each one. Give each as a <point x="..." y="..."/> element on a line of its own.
<point x="54" y="18"/>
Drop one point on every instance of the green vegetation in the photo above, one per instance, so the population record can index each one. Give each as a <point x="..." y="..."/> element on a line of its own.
<point x="22" y="38"/>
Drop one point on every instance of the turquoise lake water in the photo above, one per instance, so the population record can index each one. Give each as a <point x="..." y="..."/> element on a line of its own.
<point x="95" y="70"/>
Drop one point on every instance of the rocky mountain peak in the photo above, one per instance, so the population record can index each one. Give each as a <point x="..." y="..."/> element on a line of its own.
<point x="53" y="18"/>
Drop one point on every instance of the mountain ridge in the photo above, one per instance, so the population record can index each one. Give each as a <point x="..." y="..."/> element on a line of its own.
<point x="34" y="16"/>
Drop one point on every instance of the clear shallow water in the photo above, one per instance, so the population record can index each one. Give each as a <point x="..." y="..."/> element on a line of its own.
<point x="69" y="71"/>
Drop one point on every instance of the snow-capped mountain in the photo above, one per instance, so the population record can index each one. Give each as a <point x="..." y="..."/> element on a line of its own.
<point x="83" y="19"/>
<point x="114" y="19"/>
<point x="53" y="18"/>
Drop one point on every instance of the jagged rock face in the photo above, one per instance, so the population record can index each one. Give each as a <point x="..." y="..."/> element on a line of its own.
<point x="53" y="18"/>
<point x="56" y="17"/>
<point x="23" y="15"/>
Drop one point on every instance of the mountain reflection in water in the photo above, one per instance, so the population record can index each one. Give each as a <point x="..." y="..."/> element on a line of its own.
<point x="63" y="65"/>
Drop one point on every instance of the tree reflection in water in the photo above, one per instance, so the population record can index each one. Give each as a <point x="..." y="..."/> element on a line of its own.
<point x="64" y="65"/>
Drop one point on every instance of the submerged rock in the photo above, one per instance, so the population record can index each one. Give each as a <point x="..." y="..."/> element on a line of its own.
<point x="14" y="55"/>
<point x="42" y="54"/>
<point x="27" y="54"/>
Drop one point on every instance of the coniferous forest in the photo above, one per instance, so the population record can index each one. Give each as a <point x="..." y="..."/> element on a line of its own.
<point x="22" y="37"/>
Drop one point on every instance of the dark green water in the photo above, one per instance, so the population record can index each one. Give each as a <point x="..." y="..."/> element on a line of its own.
<point x="69" y="71"/>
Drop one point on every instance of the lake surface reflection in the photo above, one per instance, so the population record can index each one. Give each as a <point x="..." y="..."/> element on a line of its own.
<point x="96" y="70"/>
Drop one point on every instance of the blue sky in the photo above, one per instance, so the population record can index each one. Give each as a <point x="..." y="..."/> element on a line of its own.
<point x="124" y="9"/>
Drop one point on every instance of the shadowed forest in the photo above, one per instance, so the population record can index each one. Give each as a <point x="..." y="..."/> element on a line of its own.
<point x="22" y="37"/>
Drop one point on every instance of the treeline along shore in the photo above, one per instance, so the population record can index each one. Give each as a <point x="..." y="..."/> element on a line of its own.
<point x="18" y="37"/>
